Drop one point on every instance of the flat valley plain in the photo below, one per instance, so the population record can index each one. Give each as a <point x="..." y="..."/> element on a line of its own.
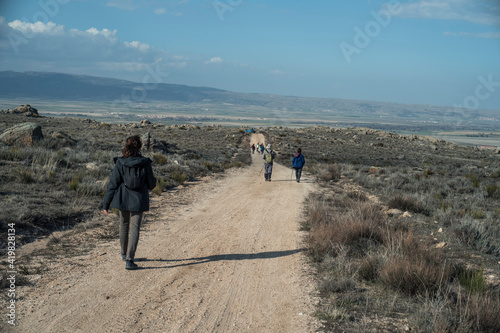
<point x="461" y="126"/>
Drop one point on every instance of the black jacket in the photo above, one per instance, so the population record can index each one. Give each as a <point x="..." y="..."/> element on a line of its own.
<point x="120" y="196"/>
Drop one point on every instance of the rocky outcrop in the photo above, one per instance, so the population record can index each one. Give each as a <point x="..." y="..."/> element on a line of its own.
<point x="22" y="134"/>
<point x="64" y="138"/>
<point x="151" y="144"/>
<point x="26" y="110"/>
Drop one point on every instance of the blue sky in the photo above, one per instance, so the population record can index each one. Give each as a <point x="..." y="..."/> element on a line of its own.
<point x="422" y="51"/>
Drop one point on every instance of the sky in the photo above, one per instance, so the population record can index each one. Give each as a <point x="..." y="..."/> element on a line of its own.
<point x="432" y="52"/>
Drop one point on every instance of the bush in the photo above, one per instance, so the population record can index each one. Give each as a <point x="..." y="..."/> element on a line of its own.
<point x="369" y="269"/>
<point x="473" y="280"/>
<point x="161" y="185"/>
<point x="482" y="312"/>
<point x="75" y="181"/>
<point x="331" y="172"/>
<point x="179" y="176"/>
<point x="406" y="203"/>
<point x="160" y="159"/>
<point x="493" y="191"/>
<point x="413" y="269"/>
<point x="25" y="176"/>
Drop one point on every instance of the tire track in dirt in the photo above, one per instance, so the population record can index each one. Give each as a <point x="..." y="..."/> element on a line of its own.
<point x="230" y="261"/>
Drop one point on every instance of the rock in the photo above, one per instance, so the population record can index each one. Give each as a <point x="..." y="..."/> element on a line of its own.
<point x="440" y="230"/>
<point x="65" y="138"/>
<point x="22" y="134"/>
<point x="406" y="214"/>
<point x="394" y="212"/>
<point x="145" y="122"/>
<point x="373" y="170"/>
<point x="440" y="245"/>
<point x="91" y="166"/>
<point x="25" y="110"/>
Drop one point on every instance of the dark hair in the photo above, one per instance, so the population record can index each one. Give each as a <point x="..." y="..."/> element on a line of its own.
<point x="299" y="150"/>
<point x="132" y="146"/>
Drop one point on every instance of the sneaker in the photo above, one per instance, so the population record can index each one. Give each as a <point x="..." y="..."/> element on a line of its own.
<point x="130" y="265"/>
<point x="124" y="257"/>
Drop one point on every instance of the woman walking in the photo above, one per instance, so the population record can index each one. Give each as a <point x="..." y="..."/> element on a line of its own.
<point x="127" y="191"/>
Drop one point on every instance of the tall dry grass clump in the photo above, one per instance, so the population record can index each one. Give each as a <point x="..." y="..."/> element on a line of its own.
<point x="362" y="223"/>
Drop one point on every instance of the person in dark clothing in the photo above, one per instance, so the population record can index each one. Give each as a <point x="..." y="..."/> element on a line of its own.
<point x="127" y="191"/>
<point x="253" y="148"/>
<point x="269" y="156"/>
<point x="298" y="162"/>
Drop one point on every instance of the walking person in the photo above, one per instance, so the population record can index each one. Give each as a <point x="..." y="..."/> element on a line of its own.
<point x="258" y="148"/>
<point x="127" y="191"/>
<point x="262" y="148"/>
<point x="298" y="162"/>
<point x="269" y="156"/>
<point x="253" y="148"/>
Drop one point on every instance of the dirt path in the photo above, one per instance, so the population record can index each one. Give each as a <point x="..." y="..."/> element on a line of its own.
<point x="230" y="261"/>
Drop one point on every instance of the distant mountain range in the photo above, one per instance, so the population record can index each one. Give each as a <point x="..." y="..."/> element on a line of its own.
<point x="68" y="87"/>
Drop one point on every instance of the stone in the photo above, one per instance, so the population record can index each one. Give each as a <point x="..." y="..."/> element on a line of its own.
<point x="25" y="110"/>
<point x="145" y="122"/>
<point x="91" y="166"/>
<point x="22" y="134"/>
<point x="65" y="138"/>
<point x="394" y="212"/>
<point x="440" y="245"/>
<point x="406" y="214"/>
<point x="373" y="170"/>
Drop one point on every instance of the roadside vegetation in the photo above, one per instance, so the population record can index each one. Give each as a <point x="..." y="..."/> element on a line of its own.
<point x="404" y="231"/>
<point x="58" y="183"/>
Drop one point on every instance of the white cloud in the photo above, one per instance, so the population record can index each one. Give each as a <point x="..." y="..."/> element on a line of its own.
<point x="214" y="60"/>
<point x="137" y="45"/>
<point x="26" y="28"/>
<point x="106" y="33"/>
<point x="93" y="51"/>
<point x="160" y="11"/>
<point x="277" y="72"/>
<point x="473" y="34"/>
<point x="479" y="11"/>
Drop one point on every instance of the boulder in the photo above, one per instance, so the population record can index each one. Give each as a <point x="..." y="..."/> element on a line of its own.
<point x="145" y="122"/>
<point x="25" y="110"/>
<point x="22" y="134"/>
<point x="64" y="138"/>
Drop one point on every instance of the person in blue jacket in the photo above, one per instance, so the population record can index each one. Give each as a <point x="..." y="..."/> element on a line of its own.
<point x="298" y="162"/>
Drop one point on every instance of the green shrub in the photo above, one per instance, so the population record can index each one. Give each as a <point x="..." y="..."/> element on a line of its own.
<point x="160" y="159"/>
<point x="161" y="185"/>
<point x="75" y="182"/>
<point x="473" y="280"/>
<point x="25" y="176"/>
<point x="493" y="191"/>
<point x="179" y="176"/>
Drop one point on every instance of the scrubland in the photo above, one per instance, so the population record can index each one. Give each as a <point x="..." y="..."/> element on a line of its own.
<point x="59" y="182"/>
<point x="404" y="233"/>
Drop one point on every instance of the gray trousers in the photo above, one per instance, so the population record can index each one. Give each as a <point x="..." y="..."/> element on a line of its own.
<point x="268" y="170"/>
<point x="130" y="225"/>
